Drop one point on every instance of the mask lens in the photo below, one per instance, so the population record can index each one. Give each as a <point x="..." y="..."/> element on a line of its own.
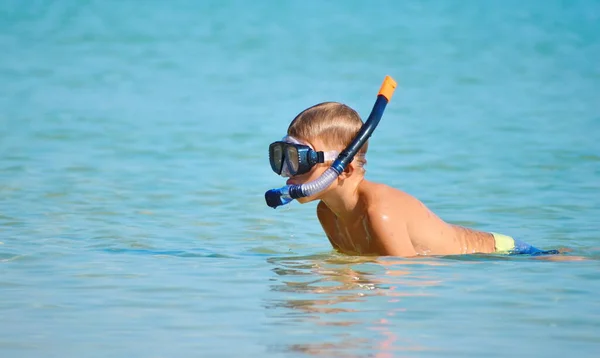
<point x="276" y="156"/>
<point x="292" y="159"/>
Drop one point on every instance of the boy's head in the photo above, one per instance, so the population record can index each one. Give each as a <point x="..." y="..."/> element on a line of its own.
<point x="332" y="123"/>
<point x="314" y="140"/>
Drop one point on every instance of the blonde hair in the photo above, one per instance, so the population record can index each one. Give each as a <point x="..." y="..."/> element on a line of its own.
<point x="336" y="124"/>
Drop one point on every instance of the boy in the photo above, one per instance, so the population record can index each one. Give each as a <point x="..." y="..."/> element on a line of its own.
<point x="361" y="217"/>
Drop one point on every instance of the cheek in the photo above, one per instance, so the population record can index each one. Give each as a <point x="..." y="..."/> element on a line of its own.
<point x="310" y="176"/>
<point x="317" y="171"/>
<point x="313" y="174"/>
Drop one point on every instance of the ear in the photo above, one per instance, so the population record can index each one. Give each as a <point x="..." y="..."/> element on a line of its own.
<point x="348" y="172"/>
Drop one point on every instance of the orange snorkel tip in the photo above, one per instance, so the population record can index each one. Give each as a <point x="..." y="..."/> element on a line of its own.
<point x="387" y="88"/>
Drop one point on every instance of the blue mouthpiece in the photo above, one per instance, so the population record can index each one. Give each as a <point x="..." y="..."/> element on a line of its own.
<point x="278" y="197"/>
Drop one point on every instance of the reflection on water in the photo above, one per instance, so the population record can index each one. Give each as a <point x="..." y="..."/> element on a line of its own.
<point x="339" y="291"/>
<point x="338" y="306"/>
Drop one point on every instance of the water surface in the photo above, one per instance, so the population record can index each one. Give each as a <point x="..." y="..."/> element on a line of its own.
<point x="133" y="164"/>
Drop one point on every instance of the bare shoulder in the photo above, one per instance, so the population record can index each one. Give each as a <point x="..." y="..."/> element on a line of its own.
<point x="383" y="202"/>
<point x="386" y="219"/>
<point x="396" y="213"/>
<point x="382" y="197"/>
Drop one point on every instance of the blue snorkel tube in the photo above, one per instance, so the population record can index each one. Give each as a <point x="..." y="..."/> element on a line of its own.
<point x="282" y="196"/>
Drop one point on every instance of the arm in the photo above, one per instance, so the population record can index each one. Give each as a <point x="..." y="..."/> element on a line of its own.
<point x="437" y="237"/>
<point x="475" y="241"/>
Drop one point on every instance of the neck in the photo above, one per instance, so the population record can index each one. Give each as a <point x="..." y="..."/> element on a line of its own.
<point x="343" y="201"/>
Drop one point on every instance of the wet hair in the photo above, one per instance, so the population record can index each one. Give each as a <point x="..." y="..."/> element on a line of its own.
<point x="336" y="124"/>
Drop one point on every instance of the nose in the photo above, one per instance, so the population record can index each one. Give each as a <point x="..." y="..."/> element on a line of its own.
<point x="285" y="170"/>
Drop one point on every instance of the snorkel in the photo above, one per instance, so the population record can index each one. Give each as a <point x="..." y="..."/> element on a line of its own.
<point x="284" y="195"/>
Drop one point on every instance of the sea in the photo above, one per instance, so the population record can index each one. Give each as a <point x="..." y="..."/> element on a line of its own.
<point x="133" y="167"/>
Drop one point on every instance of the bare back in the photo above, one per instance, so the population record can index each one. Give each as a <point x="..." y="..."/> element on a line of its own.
<point x="388" y="221"/>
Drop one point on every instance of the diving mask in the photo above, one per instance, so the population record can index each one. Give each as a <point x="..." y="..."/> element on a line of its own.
<point x="289" y="157"/>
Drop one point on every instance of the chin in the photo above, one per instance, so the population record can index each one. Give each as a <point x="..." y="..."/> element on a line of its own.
<point x="304" y="200"/>
<point x="307" y="199"/>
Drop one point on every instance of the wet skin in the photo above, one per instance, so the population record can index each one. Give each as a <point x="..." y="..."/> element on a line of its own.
<point x="361" y="217"/>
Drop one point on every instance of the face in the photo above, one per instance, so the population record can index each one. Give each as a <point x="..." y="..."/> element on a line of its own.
<point x="314" y="173"/>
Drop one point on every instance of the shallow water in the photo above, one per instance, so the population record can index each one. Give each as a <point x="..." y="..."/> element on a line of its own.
<point x="133" y="166"/>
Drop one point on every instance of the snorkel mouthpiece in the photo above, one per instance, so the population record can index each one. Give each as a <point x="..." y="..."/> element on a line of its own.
<point x="284" y="195"/>
<point x="278" y="197"/>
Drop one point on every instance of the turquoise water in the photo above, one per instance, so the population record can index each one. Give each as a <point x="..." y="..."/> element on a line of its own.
<point x="133" y="165"/>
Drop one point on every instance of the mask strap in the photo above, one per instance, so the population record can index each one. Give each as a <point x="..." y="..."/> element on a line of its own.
<point x="290" y="139"/>
<point x="330" y="156"/>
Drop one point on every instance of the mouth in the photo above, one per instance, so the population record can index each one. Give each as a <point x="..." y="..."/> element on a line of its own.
<point x="290" y="182"/>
